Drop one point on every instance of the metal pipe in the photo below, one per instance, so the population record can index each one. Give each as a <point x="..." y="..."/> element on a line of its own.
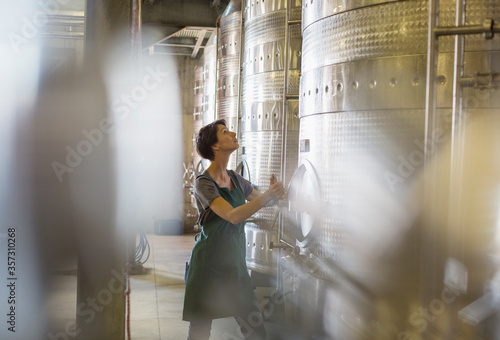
<point x="458" y="67"/>
<point x="481" y="80"/>
<point x="66" y="22"/>
<point x="279" y="279"/>
<point x="136" y="42"/>
<point x="467" y="82"/>
<point x="488" y="28"/>
<point x="136" y="70"/>
<point x="278" y="245"/>
<point x="457" y="75"/>
<point x="282" y="244"/>
<point x="176" y="45"/>
<point x="67" y="17"/>
<point x="168" y="53"/>
<point x="430" y="95"/>
<point x="285" y="91"/>
<point x="240" y="58"/>
<point x="287" y="244"/>
<point x="457" y="133"/>
<point x="217" y="37"/>
<point x="62" y="35"/>
<point x="430" y="250"/>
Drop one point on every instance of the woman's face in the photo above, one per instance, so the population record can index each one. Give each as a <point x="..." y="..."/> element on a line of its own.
<point x="226" y="139"/>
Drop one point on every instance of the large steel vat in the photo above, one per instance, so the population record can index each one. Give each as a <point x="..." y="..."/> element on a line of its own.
<point x="268" y="117"/>
<point x="353" y="200"/>
<point x="205" y="81"/>
<point x="209" y="80"/>
<point x="209" y="89"/>
<point x="229" y="47"/>
<point x="199" y="112"/>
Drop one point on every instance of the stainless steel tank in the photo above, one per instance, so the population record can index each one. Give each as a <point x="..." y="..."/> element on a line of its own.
<point x="362" y="147"/>
<point x="229" y="47"/>
<point x="267" y="118"/>
<point x="210" y="80"/>
<point x="461" y="264"/>
<point x="205" y="84"/>
<point x="191" y="169"/>
<point x="199" y="110"/>
<point x="209" y="89"/>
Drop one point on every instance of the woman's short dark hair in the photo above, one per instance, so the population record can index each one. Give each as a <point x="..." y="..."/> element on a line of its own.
<point x="206" y="138"/>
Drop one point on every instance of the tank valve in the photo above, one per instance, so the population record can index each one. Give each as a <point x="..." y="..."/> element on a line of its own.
<point x="285" y="245"/>
<point x="283" y="203"/>
<point x="280" y="203"/>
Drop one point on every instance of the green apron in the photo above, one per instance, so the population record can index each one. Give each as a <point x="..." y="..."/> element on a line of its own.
<point x="218" y="284"/>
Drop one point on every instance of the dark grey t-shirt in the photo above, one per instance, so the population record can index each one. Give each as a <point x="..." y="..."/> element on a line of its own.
<point x="205" y="191"/>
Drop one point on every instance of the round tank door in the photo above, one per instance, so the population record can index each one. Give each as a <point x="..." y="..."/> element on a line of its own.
<point x="304" y="203"/>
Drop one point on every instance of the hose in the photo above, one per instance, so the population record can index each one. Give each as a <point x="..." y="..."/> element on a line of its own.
<point x="142" y="248"/>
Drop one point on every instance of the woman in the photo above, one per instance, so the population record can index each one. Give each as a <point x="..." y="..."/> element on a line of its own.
<point x="218" y="284"/>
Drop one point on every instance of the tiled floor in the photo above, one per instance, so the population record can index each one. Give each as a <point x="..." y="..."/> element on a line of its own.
<point x="157" y="297"/>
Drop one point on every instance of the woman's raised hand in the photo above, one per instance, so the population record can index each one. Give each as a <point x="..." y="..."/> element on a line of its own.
<point x="276" y="189"/>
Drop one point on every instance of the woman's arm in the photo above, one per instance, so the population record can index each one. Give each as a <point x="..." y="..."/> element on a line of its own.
<point x="239" y="214"/>
<point x="256" y="193"/>
<point x="253" y="195"/>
